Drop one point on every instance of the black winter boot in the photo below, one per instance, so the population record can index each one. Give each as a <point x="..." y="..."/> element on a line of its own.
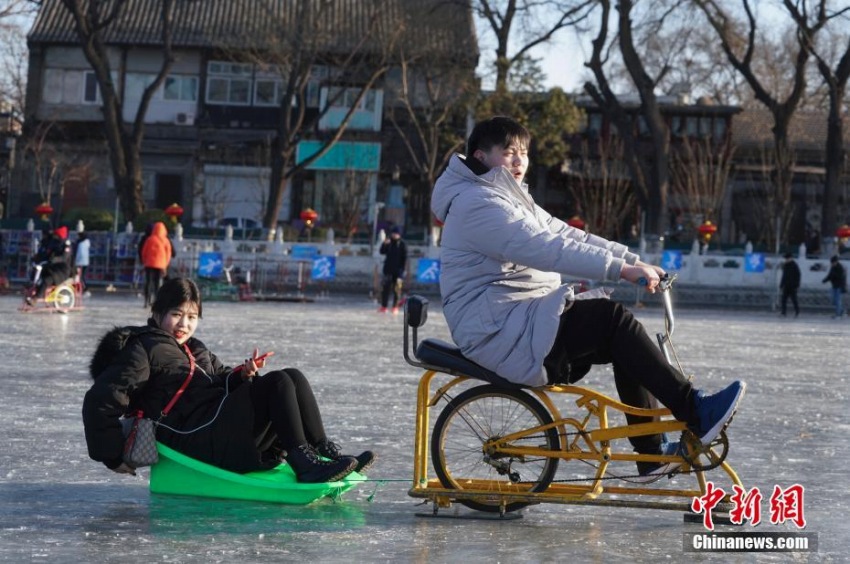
<point x="308" y="467"/>
<point x="329" y="449"/>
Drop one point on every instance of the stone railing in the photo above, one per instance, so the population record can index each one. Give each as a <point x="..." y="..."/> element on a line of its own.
<point x="274" y="268"/>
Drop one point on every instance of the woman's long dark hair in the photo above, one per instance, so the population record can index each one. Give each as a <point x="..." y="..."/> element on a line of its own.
<point x="174" y="293"/>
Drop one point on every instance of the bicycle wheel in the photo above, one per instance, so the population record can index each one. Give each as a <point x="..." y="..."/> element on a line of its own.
<point x="63" y="298"/>
<point x="481" y="414"/>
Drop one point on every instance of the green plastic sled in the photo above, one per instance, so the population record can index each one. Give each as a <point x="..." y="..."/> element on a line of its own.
<point x="176" y="473"/>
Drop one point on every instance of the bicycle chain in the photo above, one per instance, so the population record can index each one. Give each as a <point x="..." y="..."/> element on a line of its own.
<point x="691" y="462"/>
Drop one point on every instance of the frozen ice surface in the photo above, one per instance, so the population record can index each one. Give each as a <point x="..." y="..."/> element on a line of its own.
<point x="57" y="505"/>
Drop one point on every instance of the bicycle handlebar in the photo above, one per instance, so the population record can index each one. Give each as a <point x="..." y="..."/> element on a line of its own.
<point x="669" y="320"/>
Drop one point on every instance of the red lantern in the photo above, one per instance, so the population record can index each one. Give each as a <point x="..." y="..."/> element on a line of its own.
<point x="174" y="211"/>
<point x="44" y="210"/>
<point x="706" y="230"/>
<point x="576" y="221"/>
<point x="309" y="217"/>
<point x="843" y="232"/>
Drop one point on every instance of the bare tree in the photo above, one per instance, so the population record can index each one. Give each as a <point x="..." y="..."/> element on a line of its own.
<point x="45" y="158"/>
<point x="92" y="19"/>
<point x="347" y="200"/>
<point x="766" y="207"/>
<point x="525" y="24"/>
<point x="299" y="47"/>
<point x="740" y="42"/>
<point x="700" y="170"/>
<point x="650" y="173"/>
<point x="432" y="99"/>
<point x="13" y="55"/>
<point x="600" y="187"/>
<point x="835" y="79"/>
<point x="56" y="162"/>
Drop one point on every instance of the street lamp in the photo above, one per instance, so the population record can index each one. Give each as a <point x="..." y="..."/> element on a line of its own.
<point x="378" y="206"/>
<point x="843" y="234"/>
<point x="309" y="217"/>
<point x="706" y="230"/>
<point x="576" y="221"/>
<point x="44" y="210"/>
<point x="174" y="211"/>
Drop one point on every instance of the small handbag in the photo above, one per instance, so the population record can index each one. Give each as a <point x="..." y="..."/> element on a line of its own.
<point x="140" y="431"/>
<point x="139" y="441"/>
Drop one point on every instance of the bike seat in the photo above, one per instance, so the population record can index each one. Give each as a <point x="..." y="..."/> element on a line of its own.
<point x="448" y="358"/>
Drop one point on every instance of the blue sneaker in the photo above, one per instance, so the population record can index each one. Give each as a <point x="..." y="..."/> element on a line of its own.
<point x="651" y="471"/>
<point x="715" y="411"/>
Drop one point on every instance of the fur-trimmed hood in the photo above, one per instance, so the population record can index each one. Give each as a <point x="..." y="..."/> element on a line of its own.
<point x="110" y="346"/>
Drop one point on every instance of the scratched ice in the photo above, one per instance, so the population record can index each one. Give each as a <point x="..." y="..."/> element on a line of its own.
<point x="57" y="505"/>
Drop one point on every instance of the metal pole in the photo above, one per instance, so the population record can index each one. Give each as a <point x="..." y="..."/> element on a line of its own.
<point x="374" y="234"/>
<point x="115" y="217"/>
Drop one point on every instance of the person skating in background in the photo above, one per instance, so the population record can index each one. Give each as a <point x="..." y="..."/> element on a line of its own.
<point x="837" y="277"/>
<point x="81" y="258"/>
<point x="395" y="263"/>
<point x="156" y="256"/>
<point x="789" y="284"/>
<point x="55" y="256"/>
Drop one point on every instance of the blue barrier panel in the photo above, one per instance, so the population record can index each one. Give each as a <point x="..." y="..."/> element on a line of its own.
<point x="754" y="262"/>
<point x="428" y="271"/>
<point x="210" y="265"/>
<point x="671" y="260"/>
<point x="324" y="268"/>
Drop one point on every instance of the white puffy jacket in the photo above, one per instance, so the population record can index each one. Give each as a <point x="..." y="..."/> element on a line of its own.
<point x="502" y="260"/>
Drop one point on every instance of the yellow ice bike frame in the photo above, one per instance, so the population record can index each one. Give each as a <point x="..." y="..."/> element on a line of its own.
<point x="496" y="447"/>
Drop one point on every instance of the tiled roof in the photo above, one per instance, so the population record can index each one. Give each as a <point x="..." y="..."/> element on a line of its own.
<point x="807" y="129"/>
<point x="435" y="27"/>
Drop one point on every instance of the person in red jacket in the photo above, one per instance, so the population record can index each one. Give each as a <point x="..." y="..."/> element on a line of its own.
<point x="156" y="255"/>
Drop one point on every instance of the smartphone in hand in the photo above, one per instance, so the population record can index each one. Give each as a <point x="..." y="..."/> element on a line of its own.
<point x="259" y="358"/>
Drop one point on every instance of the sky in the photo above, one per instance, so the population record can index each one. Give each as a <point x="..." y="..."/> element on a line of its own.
<point x="563" y="64"/>
<point x="562" y="60"/>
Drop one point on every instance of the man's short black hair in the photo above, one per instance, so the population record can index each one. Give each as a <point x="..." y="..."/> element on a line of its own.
<point x="497" y="130"/>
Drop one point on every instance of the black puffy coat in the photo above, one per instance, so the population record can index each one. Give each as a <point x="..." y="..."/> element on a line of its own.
<point x="144" y="375"/>
<point x="396" y="256"/>
<point x="836" y="276"/>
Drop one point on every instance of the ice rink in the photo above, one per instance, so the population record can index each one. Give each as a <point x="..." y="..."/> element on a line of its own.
<point x="57" y="505"/>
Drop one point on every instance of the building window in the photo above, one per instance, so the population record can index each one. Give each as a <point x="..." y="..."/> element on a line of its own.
<point x="719" y="128"/>
<point x="691" y="126"/>
<point x="677" y="126"/>
<point x="338" y="101"/>
<point x="643" y="127"/>
<point x="341" y="97"/>
<point x="180" y="88"/>
<point x="91" y="90"/>
<point x="594" y="125"/>
<point x="705" y="127"/>
<point x="229" y="83"/>
<point x="267" y="92"/>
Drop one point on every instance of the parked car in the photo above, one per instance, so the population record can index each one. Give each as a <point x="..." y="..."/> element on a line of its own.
<point x="243" y="227"/>
<point x="239" y="223"/>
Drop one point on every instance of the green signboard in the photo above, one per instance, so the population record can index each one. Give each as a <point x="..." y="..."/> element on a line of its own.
<point x="343" y="155"/>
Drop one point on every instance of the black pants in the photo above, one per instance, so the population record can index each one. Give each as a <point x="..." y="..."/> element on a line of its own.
<point x="285" y="399"/>
<point x="153" y="280"/>
<point x="81" y="270"/>
<point x="604" y="332"/>
<point x="786" y="293"/>
<point x="390" y="283"/>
